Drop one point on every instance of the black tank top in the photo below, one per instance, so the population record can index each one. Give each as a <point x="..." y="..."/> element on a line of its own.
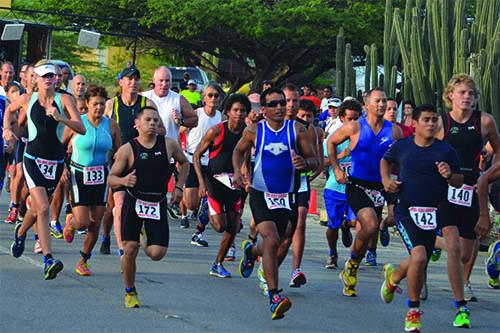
<point x="221" y="152"/>
<point x="467" y="140"/>
<point x="125" y="116"/>
<point x="153" y="170"/>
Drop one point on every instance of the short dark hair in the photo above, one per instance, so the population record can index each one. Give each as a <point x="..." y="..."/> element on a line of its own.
<point x="307" y="105"/>
<point x="369" y="92"/>
<point x="422" y="108"/>
<point x="409" y="102"/>
<point x="94" y="90"/>
<point x="272" y="90"/>
<point x="145" y="107"/>
<point x="237" y="98"/>
<point x="350" y="104"/>
<point x="329" y="88"/>
<point x="290" y="87"/>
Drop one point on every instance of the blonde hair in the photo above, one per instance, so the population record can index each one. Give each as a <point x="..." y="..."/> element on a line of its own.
<point x="455" y="81"/>
<point x="43" y="62"/>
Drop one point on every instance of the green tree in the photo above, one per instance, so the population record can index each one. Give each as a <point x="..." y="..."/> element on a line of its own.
<point x="269" y="39"/>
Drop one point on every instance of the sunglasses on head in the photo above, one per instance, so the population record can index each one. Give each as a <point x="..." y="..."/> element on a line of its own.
<point x="273" y="104"/>
<point x="213" y="95"/>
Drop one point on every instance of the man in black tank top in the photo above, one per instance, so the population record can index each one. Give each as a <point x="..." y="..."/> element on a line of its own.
<point x="467" y="130"/>
<point x="224" y="201"/>
<point x="123" y="109"/>
<point x="145" y="162"/>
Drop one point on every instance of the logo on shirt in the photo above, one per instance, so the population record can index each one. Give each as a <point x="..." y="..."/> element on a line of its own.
<point x="157" y="153"/>
<point x="143" y="156"/>
<point x="276" y="148"/>
<point x="454" y="130"/>
<point x="383" y="140"/>
<point x="471" y="127"/>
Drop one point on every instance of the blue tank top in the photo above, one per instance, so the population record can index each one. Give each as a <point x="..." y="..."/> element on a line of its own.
<point x="344" y="164"/>
<point x="369" y="151"/>
<point x="274" y="171"/>
<point x="92" y="148"/>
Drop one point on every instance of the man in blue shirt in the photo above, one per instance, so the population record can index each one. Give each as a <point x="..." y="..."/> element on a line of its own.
<point x="426" y="167"/>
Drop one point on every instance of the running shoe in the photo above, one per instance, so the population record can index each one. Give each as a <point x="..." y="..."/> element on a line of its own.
<point x="424" y="293"/>
<point x="262" y="279"/>
<point x="185" y="223"/>
<point x="131" y="300"/>
<point x="173" y="211"/>
<point x="494" y="283"/>
<point x="17" y="247"/>
<point x="56" y="229"/>
<point x="332" y="262"/>
<point x="349" y="279"/>
<point x="388" y="288"/>
<point x="11" y="218"/>
<point x="436" y="254"/>
<point x="231" y="254"/>
<point x="203" y="211"/>
<point x="298" y="279"/>
<point x="219" y="271"/>
<point x="69" y="231"/>
<point x="247" y="260"/>
<point x="37" y="248"/>
<point x="412" y="321"/>
<point x="346" y="235"/>
<point x="371" y="258"/>
<point x="384" y="236"/>
<point x="105" y="246"/>
<point x="52" y="267"/>
<point x="462" y="318"/>
<point x="469" y="293"/>
<point x="82" y="268"/>
<point x="492" y="262"/>
<point x="279" y="305"/>
<point x="198" y="239"/>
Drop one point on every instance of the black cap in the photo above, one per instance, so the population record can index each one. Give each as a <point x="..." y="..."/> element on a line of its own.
<point x="128" y="72"/>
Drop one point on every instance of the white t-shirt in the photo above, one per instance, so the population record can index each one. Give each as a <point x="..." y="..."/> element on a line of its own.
<point x="166" y="105"/>
<point x="332" y="125"/>
<point x="196" y="134"/>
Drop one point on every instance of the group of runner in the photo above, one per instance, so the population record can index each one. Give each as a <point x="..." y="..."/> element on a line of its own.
<point x="269" y="151"/>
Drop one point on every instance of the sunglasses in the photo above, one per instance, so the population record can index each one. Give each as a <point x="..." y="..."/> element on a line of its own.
<point x="48" y="76"/>
<point x="213" y="95"/>
<point x="273" y="104"/>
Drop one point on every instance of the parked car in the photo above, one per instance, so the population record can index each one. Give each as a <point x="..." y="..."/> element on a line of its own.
<point x="195" y="73"/>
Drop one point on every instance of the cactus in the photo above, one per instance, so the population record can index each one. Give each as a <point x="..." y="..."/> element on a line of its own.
<point x="436" y="40"/>
<point x="374" y="66"/>
<point x="349" y="75"/>
<point x="339" y="63"/>
<point x="367" y="67"/>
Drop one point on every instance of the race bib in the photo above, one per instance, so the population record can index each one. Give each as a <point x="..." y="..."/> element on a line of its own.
<point x="303" y="184"/>
<point x="147" y="210"/>
<point x="93" y="175"/>
<point x="424" y="217"/>
<point x="461" y="196"/>
<point x="277" y="200"/>
<point x="346" y="167"/>
<point x="376" y="197"/>
<point x="226" y="179"/>
<point x="47" y="168"/>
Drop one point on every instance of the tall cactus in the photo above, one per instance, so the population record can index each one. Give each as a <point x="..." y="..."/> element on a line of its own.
<point x="367" y="67"/>
<point x="390" y="51"/>
<point x="349" y="75"/>
<point x="339" y="62"/>
<point x="374" y="65"/>
<point x="438" y="40"/>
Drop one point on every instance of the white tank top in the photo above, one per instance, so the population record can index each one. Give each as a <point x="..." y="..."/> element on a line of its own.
<point x="196" y="134"/>
<point x="165" y="106"/>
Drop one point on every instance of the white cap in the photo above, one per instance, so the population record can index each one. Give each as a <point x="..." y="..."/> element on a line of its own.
<point x="44" y="69"/>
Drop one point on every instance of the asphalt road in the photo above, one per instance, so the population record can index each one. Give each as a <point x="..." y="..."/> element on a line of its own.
<point x="178" y="295"/>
